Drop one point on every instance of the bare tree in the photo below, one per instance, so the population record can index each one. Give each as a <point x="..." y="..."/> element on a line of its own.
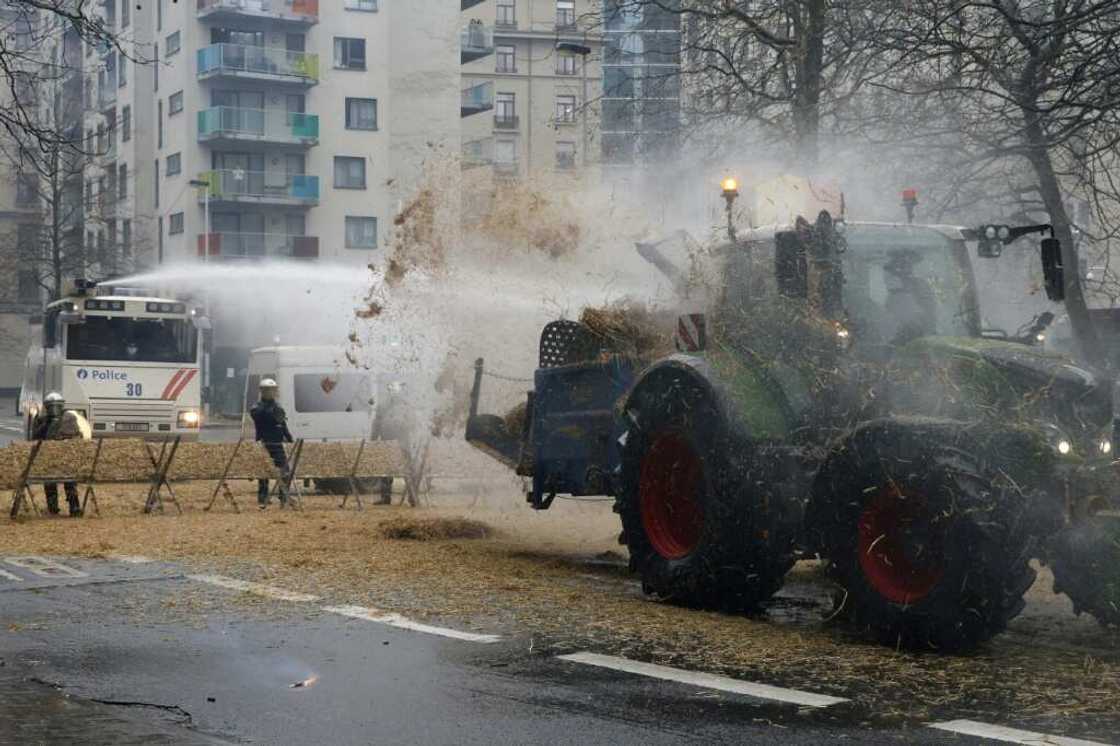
<point x="1034" y="83"/>
<point x="782" y="67"/>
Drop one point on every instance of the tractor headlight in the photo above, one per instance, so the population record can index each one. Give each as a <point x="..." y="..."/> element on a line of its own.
<point x="189" y="419"/>
<point x="1059" y="441"/>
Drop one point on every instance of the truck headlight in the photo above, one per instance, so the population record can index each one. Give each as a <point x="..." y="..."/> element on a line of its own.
<point x="189" y="418"/>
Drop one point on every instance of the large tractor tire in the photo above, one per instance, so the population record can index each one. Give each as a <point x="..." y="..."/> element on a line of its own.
<point x="695" y="533"/>
<point x="1085" y="560"/>
<point x="929" y="549"/>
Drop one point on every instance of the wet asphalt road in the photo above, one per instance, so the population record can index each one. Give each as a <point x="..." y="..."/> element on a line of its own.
<point x="140" y="653"/>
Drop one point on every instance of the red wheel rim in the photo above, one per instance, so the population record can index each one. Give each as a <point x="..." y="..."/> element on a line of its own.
<point x="901" y="551"/>
<point x="669" y="487"/>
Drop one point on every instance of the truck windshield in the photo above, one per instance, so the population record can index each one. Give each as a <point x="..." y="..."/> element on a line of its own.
<point x="331" y="392"/>
<point x="119" y="339"/>
<point x="901" y="283"/>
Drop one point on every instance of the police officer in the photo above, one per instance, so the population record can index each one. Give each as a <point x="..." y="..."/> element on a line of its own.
<point x="47" y="425"/>
<point x="271" y="425"/>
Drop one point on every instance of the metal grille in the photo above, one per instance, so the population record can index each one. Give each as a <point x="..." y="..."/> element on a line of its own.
<point x="111" y="410"/>
<point x="567" y="342"/>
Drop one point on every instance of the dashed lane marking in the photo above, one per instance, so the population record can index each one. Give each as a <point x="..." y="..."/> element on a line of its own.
<point x="705" y="680"/>
<point x="257" y="588"/>
<point x="10" y="576"/>
<point x="396" y="620"/>
<point x="44" y="567"/>
<point x="1010" y="735"/>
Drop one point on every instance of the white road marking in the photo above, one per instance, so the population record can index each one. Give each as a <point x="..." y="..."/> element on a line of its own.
<point x="45" y="568"/>
<point x="705" y="680"/>
<point x="132" y="559"/>
<point x="396" y="620"/>
<point x="259" y="589"/>
<point x="10" y="576"/>
<point x="1009" y="735"/>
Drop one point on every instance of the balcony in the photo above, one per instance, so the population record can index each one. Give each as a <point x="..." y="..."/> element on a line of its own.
<point x="266" y="64"/>
<point x="468" y="4"/>
<point x="475" y="42"/>
<point x="262" y="188"/>
<point x="228" y="125"/>
<point x="509" y="122"/>
<point x="477" y="99"/>
<point x="301" y="12"/>
<point x="258" y="246"/>
<point x="107" y="96"/>
<point x="478" y="153"/>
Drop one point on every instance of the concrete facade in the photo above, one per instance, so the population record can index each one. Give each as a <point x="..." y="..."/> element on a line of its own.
<point x="531" y="82"/>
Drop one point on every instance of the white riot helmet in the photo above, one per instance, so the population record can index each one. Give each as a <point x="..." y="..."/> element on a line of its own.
<point x="54" y="403"/>
<point x="268" y="388"/>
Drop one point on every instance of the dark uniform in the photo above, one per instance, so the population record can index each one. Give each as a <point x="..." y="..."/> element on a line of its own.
<point x="47" y="426"/>
<point x="271" y="425"/>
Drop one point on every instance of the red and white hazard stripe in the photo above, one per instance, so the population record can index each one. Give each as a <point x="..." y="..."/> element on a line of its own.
<point x="691" y="334"/>
<point x="177" y="383"/>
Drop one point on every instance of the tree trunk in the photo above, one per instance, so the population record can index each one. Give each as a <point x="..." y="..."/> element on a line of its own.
<point x="1051" y="191"/>
<point x="810" y="22"/>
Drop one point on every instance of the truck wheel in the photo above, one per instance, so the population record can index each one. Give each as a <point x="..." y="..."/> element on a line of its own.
<point x="692" y="531"/>
<point x="1085" y="560"/>
<point x="929" y="551"/>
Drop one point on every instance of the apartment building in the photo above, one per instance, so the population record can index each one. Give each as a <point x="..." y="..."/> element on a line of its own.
<point x="530" y="86"/>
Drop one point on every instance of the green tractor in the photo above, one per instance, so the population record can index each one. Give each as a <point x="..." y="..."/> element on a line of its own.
<point x="837" y="399"/>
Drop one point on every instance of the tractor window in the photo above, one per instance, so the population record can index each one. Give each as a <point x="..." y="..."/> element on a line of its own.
<point x="901" y="283"/>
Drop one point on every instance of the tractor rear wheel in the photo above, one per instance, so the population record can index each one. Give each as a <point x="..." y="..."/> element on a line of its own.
<point x="929" y="550"/>
<point x="694" y="533"/>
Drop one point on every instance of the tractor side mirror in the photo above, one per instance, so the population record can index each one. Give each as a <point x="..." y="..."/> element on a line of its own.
<point x="790" y="265"/>
<point x="1052" y="272"/>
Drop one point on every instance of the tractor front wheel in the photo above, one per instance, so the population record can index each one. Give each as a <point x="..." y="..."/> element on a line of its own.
<point x="694" y="532"/>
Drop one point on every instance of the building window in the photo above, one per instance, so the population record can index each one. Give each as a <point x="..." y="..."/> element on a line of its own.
<point x="565" y="156"/>
<point x="361" y="113"/>
<point x="565" y="13"/>
<point x="349" y="173"/>
<point x="172" y="45"/>
<point x="565" y="109"/>
<point x="565" y="64"/>
<point x="126" y="124"/>
<point x="174" y="164"/>
<point x="174" y="103"/>
<point x="126" y="237"/>
<point x="505" y="108"/>
<point x="25" y="190"/>
<point x="505" y="152"/>
<point x="28" y="287"/>
<point x="175" y="225"/>
<point x="367" y="5"/>
<point x="361" y="233"/>
<point x="155" y="191"/>
<point x="349" y="54"/>
<point x="125" y="8"/>
<point x="507" y="13"/>
<point x="122" y="181"/>
<point x="122" y="78"/>
<point x="506" y="58"/>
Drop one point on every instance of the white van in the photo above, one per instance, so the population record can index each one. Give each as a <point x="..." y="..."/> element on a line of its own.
<point x="324" y="396"/>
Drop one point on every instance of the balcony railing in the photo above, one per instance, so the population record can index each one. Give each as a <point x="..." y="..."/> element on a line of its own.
<point x="268" y="63"/>
<point x="275" y="187"/>
<point x="294" y="11"/>
<point x="477" y="99"/>
<point x="507" y="122"/>
<point x="478" y="153"/>
<point x="258" y="245"/>
<point x="475" y="41"/>
<point x="260" y="125"/>
<point x="507" y="167"/>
